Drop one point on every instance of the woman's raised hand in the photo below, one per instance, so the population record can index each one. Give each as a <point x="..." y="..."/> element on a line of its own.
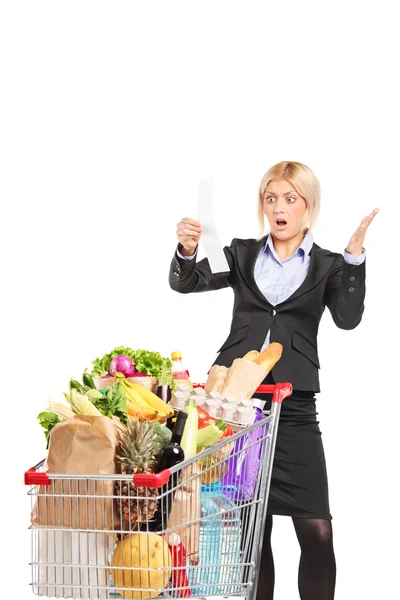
<point x="355" y="245"/>
<point x="189" y="232"/>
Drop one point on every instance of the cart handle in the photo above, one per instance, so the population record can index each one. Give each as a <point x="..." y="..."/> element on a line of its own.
<point x="279" y="391"/>
<point x="153" y="480"/>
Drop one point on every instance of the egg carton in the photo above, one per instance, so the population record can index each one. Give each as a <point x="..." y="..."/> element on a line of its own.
<point x="230" y="409"/>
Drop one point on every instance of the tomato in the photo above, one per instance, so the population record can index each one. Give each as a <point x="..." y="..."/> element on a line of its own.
<point x="204" y="418"/>
<point x="228" y="431"/>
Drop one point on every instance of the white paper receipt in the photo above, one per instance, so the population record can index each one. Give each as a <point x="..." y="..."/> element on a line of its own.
<point x="209" y="237"/>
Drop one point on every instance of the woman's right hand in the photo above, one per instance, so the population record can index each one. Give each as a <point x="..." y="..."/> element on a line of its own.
<point x="189" y="232"/>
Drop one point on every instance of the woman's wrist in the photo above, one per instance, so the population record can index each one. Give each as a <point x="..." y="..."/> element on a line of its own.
<point x="186" y="252"/>
<point x="355" y="251"/>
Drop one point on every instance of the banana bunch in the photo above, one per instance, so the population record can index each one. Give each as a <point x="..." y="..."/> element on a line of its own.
<point x="142" y="402"/>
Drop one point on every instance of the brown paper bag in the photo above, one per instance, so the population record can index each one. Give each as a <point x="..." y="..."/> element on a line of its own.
<point x="80" y="445"/>
<point x="186" y="508"/>
<point x="241" y="380"/>
<point x="216" y="379"/>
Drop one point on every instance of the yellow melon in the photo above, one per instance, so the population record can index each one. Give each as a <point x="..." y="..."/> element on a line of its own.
<point x="149" y="559"/>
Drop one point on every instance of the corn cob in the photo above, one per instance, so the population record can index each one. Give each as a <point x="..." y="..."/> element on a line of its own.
<point x="63" y="412"/>
<point x="83" y="406"/>
<point x="152" y="399"/>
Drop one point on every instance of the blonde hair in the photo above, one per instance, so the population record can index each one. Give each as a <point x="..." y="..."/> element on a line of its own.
<point x="304" y="181"/>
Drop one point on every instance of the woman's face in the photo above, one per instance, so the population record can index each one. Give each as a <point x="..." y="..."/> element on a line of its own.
<point x="284" y="209"/>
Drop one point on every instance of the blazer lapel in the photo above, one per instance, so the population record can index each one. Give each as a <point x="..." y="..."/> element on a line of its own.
<point x="319" y="265"/>
<point x="247" y="262"/>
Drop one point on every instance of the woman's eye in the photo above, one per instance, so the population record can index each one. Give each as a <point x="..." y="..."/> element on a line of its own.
<point x="291" y="199"/>
<point x="270" y="199"/>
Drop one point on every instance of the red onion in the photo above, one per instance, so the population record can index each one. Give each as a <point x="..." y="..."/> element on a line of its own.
<point x="122" y="364"/>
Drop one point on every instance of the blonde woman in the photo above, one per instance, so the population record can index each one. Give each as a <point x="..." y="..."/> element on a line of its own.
<point x="282" y="283"/>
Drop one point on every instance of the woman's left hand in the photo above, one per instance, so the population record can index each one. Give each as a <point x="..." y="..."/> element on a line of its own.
<point x="355" y="246"/>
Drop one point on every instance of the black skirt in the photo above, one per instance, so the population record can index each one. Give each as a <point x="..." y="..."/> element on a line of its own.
<point x="299" y="483"/>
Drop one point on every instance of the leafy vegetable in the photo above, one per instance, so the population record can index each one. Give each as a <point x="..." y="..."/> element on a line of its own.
<point x="164" y="434"/>
<point x="113" y="403"/>
<point x="151" y="363"/>
<point x="47" y="420"/>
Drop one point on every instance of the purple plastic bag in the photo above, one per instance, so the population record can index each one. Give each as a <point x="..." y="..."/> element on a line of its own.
<point x="244" y="463"/>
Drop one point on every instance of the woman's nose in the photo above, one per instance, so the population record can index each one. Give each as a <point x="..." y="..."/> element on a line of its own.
<point x="279" y="205"/>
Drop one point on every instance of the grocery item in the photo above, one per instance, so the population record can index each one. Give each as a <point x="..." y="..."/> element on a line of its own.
<point x="189" y="438"/>
<point x="215" y="408"/>
<point x="154" y="401"/>
<point x="178" y="372"/>
<point x="81" y="404"/>
<point x="137" y="452"/>
<point x="170" y="455"/>
<point x="122" y="364"/>
<point x="219" y="544"/>
<point x="244" y="463"/>
<point x="210" y="435"/>
<point x="270" y="356"/>
<point x="84" y="444"/>
<point x="150" y="556"/>
<point x="252" y="355"/>
<point x="179" y="578"/>
<point x="245" y="374"/>
<point x="164" y="434"/>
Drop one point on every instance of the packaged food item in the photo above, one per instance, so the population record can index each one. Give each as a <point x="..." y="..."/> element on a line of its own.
<point x="179" y="578"/>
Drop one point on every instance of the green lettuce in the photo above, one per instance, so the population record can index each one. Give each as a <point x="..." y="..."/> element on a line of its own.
<point x="151" y="363"/>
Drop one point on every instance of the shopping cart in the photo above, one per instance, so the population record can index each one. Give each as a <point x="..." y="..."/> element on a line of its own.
<point x="201" y="535"/>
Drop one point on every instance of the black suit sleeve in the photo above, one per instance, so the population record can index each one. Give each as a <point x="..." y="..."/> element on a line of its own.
<point x="345" y="293"/>
<point x="186" y="276"/>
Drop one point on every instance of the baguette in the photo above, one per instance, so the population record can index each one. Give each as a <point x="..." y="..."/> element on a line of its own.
<point x="252" y="355"/>
<point x="270" y="356"/>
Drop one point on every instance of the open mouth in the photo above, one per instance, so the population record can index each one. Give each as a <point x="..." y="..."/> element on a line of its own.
<point x="281" y="222"/>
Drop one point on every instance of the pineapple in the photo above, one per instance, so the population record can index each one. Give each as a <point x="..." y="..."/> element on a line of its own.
<point x="137" y="452"/>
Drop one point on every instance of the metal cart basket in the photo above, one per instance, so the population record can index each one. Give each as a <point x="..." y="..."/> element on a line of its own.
<point x="194" y="530"/>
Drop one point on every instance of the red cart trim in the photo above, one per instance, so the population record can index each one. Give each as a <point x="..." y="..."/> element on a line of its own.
<point x="150" y="480"/>
<point x="33" y="477"/>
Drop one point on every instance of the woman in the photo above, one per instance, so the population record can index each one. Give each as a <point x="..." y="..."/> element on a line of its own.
<point x="282" y="283"/>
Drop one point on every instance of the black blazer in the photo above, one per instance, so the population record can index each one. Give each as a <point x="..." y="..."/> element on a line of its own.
<point x="294" y="323"/>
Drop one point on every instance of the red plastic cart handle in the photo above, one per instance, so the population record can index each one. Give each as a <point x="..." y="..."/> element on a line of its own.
<point x="34" y="477"/>
<point x="150" y="480"/>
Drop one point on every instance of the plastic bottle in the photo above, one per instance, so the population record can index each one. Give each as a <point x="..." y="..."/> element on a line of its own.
<point x="244" y="463"/>
<point x="178" y="372"/>
<point x="218" y="571"/>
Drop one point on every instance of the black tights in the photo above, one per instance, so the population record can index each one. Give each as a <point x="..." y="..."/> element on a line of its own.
<point x="317" y="569"/>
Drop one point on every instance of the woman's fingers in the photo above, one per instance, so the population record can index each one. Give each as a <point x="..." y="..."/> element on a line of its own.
<point x="189" y="232"/>
<point x="366" y="222"/>
<point x="356" y="241"/>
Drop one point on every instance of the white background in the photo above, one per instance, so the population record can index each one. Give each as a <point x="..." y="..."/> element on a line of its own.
<point x="111" y="114"/>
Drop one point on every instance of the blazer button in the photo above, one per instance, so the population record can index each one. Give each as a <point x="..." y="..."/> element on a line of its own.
<point x="351" y="289"/>
<point x="273" y="312"/>
<point x="352" y="278"/>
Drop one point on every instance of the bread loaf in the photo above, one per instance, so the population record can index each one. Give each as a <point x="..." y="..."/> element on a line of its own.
<point x="252" y="355"/>
<point x="270" y="356"/>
